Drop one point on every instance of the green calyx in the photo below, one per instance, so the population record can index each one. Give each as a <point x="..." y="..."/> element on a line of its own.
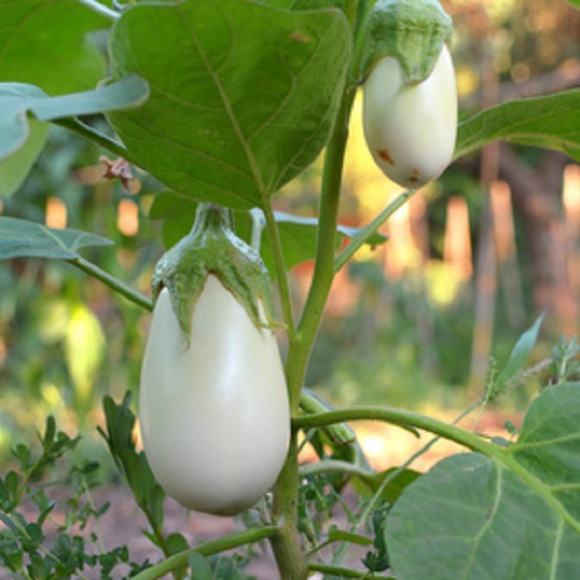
<point x="212" y="248"/>
<point x="412" y="31"/>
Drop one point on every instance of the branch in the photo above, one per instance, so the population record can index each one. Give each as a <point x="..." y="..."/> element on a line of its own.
<point x="357" y="242"/>
<point x="338" y="572"/>
<point x="209" y="548"/>
<point x="112" y="282"/>
<point x="101" y="9"/>
<point x="404" y="419"/>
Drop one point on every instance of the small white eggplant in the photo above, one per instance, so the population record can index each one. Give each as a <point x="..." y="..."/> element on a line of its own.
<point x="213" y="405"/>
<point x="411" y="128"/>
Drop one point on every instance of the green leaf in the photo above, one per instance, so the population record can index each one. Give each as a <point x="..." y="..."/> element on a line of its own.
<point x="520" y="353"/>
<point x="512" y="515"/>
<point x="551" y="121"/>
<point x="368" y="484"/>
<point x="575" y="3"/>
<point x="168" y="205"/>
<point x="243" y="95"/>
<point x="176" y="543"/>
<point x="200" y="567"/>
<point x="17" y="100"/>
<point x="119" y="436"/>
<point x="46" y="43"/>
<point x="24" y="239"/>
<point x="378" y="559"/>
<point x="15" y="168"/>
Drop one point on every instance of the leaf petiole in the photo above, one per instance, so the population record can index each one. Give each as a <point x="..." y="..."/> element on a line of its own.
<point x="114" y="283"/>
<point x="369" y="230"/>
<point x="100" y="9"/>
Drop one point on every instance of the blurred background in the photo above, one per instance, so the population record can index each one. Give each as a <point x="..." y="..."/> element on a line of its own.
<point x="418" y="322"/>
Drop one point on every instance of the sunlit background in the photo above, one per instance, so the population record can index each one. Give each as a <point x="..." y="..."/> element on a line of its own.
<point x="470" y="262"/>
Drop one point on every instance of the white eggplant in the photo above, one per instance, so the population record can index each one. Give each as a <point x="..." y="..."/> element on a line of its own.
<point x="213" y="406"/>
<point x="411" y="128"/>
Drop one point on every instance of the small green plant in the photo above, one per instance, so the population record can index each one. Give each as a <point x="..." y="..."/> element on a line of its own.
<point x="32" y="544"/>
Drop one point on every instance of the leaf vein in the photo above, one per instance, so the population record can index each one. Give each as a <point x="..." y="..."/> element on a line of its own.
<point x="214" y="76"/>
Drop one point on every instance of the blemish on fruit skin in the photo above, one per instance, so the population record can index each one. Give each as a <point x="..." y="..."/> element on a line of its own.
<point x="384" y="155"/>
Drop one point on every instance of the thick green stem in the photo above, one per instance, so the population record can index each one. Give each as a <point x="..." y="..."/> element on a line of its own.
<point x="209" y="548"/>
<point x="324" y="270"/>
<point x="324" y="265"/>
<point x="112" y="282"/>
<point x="286" y="543"/>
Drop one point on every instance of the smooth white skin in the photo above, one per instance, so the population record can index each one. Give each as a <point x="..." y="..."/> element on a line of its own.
<point x="411" y="130"/>
<point x="215" y="414"/>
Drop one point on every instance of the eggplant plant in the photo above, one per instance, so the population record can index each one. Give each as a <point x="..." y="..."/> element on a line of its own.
<point x="222" y="104"/>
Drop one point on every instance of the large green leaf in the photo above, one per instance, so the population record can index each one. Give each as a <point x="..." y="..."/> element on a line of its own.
<point x="15" y="168"/>
<point x="511" y="516"/>
<point x="24" y="239"/>
<point x="17" y="100"/>
<point x="552" y="121"/>
<point x="243" y="95"/>
<point x="45" y="43"/>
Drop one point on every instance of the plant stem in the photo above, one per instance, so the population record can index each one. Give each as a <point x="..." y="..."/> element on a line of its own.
<point x="96" y="137"/>
<point x="360" y="239"/>
<point x="287" y="550"/>
<point x="339" y="572"/>
<point x="286" y="544"/>
<point x="101" y="9"/>
<point x="220" y="545"/>
<point x="112" y="282"/>
<point x="402" y="418"/>
<point x="299" y="352"/>
<point x="339" y="433"/>
<point x="156" y="530"/>
<point x="258" y="223"/>
<point x="334" y="466"/>
<point x="281" y="272"/>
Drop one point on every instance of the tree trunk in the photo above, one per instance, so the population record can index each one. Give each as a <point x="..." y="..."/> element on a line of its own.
<point x="537" y="198"/>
